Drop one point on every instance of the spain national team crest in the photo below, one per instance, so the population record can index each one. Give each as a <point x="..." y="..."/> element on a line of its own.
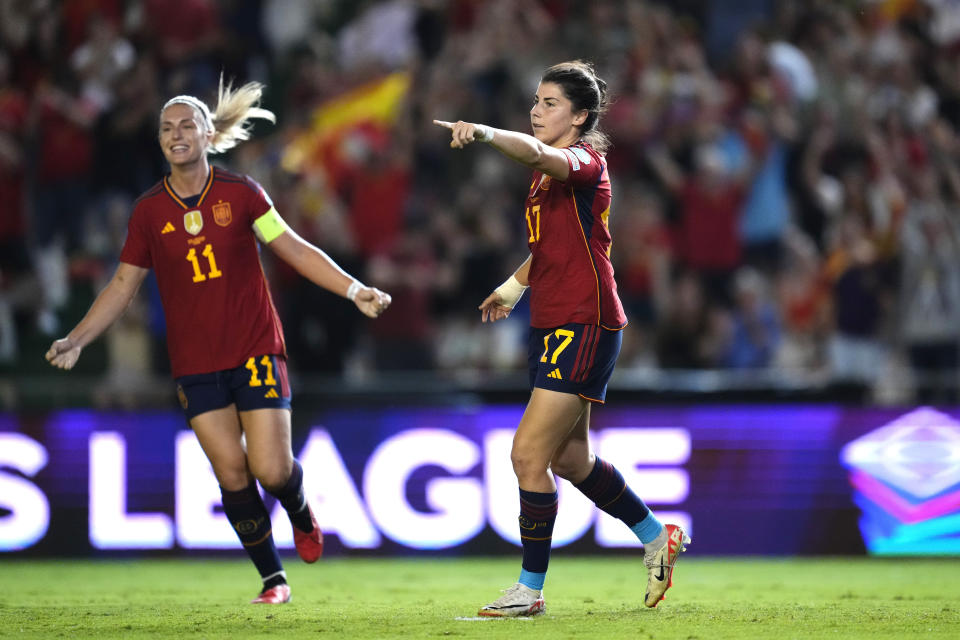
<point x="222" y="214"/>
<point x="193" y="222"/>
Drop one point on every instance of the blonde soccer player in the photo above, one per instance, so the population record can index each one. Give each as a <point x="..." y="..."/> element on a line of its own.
<point x="199" y="228"/>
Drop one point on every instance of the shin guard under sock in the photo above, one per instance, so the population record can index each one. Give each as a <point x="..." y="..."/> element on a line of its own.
<point x="293" y="500"/>
<point x="249" y="518"/>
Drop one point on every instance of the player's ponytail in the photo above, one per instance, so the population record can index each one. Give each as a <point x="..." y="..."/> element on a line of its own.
<point x="234" y="108"/>
<point x="586" y="91"/>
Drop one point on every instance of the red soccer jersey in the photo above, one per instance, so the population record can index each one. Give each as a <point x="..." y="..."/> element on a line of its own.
<point x="571" y="278"/>
<point x="214" y="292"/>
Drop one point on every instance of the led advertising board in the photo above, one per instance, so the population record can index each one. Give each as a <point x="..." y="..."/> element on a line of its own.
<point x="742" y="479"/>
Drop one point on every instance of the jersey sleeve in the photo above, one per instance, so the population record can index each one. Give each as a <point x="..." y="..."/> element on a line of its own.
<point x="266" y="223"/>
<point x="586" y="166"/>
<point x="259" y="202"/>
<point x="136" y="248"/>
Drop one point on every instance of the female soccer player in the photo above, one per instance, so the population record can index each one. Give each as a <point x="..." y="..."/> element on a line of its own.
<point x="575" y="318"/>
<point x="198" y="230"/>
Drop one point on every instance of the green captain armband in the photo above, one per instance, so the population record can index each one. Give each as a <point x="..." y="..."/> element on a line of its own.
<point x="269" y="226"/>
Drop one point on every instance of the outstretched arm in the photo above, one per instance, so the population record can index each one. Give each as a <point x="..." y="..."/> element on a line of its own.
<point x="316" y="266"/>
<point x="521" y="147"/>
<point x="504" y="298"/>
<point x="108" y="306"/>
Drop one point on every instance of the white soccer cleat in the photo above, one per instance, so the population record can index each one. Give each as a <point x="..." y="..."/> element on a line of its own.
<point x="660" y="561"/>
<point x="518" y="600"/>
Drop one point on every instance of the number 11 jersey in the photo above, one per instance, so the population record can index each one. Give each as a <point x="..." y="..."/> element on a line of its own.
<point x="204" y="253"/>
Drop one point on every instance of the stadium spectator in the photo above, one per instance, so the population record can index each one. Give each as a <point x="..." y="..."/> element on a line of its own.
<point x="100" y="61"/>
<point x="689" y="335"/>
<point x="412" y="270"/>
<point x="855" y="272"/>
<point x="198" y="230"/>
<point x="575" y="323"/>
<point x="803" y="297"/>
<point x="754" y="335"/>
<point x="62" y="125"/>
<point x="707" y="234"/>
<point x="16" y="269"/>
<point x="188" y="38"/>
<point x="642" y="261"/>
<point x="929" y="302"/>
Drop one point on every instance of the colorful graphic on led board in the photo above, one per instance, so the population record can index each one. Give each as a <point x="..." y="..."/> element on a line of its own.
<point x="906" y="477"/>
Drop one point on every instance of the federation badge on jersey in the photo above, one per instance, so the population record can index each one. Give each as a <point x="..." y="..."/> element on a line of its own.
<point x="222" y="214"/>
<point x="193" y="222"/>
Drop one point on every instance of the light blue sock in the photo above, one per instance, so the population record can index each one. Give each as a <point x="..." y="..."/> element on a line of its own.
<point x="648" y="529"/>
<point x="532" y="580"/>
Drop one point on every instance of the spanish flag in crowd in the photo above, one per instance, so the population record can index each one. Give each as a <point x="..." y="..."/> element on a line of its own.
<point x="373" y="106"/>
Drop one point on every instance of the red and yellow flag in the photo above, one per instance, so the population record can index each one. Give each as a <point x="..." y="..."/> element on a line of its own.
<point x="374" y="104"/>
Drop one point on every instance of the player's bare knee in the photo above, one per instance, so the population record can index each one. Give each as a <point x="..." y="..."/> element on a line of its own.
<point x="564" y="468"/>
<point x="527" y="466"/>
<point x="233" y="480"/>
<point x="272" y="478"/>
<point x="572" y="467"/>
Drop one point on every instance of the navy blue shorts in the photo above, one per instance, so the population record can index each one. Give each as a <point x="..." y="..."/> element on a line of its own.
<point x="260" y="383"/>
<point x="574" y="358"/>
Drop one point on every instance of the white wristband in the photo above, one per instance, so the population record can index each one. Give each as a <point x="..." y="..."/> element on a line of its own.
<point x="483" y="133"/>
<point x="510" y="292"/>
<point x="353" y="290"/>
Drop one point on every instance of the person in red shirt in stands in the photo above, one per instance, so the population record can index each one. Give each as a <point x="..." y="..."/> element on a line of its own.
<point x="198" y="229"/>
<point x="575" y="323"/>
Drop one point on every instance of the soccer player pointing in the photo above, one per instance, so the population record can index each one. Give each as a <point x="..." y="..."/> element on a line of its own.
<point x="575" y="318"/>
<point x="198" y="230"/>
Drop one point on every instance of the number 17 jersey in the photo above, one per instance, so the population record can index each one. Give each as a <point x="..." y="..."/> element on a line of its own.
<point x="204" y="253"/>
<point x="571" y="277"/>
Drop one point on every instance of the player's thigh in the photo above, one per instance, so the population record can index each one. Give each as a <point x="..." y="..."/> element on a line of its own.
<point x="269" y="451"/>
<point x="547" y="421"/>
<point x="221" y="439"/>
<point x="573" y="459"/>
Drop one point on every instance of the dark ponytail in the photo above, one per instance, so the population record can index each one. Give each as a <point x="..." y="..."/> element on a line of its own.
<point x="585" y="90"/>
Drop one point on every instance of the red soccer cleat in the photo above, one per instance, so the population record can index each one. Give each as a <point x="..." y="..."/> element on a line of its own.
<point x="274" y="595"/>
<point x="309" y="545"/>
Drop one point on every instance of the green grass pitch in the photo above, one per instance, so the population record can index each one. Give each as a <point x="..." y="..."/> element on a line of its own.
<point x="425" y="598"/>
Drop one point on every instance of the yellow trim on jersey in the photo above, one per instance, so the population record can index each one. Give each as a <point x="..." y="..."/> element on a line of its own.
<point x="269" y="226"/>
<point x="203" y="194"/>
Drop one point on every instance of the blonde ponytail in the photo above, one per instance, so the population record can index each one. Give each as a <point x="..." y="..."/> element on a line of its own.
<point x="234" y="108"/>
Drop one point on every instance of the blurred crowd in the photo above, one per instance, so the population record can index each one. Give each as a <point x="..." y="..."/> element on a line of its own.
<point x="786" y="176"/>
